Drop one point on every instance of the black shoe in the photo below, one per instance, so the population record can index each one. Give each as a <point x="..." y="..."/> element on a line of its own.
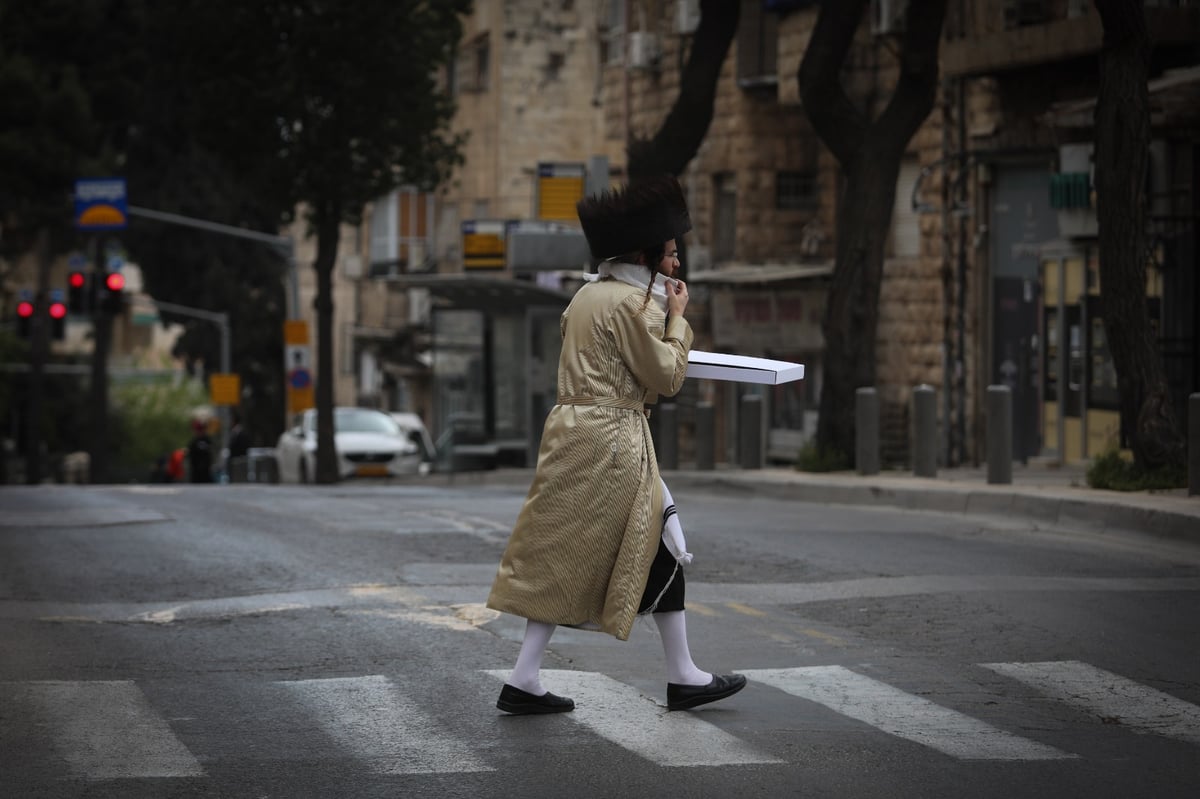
<point x="685" y="697"/>
<point x="521" y="703"/>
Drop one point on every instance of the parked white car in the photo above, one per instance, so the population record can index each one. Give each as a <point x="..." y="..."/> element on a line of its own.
<point x="369" y="443"/>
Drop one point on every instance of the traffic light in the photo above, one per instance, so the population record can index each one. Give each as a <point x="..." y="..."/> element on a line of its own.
<point x="24" y="318"/>
<point x="58" y="319"/>
<point x="114" y="293"/>
<point x="77" y="293"/>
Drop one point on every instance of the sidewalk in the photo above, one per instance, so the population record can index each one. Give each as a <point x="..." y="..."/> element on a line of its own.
<point x="1047" y="496"/>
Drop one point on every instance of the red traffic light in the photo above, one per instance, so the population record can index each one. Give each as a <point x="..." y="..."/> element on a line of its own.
<point x="76" y="280"/>
<point x="58" y="310"/>
<point x="114" y="281"/>
<point x="25" y="309"/>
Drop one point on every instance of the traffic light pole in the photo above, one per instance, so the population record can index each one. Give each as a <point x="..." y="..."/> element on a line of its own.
<point x="284" y="244"/>
<point x="221" y="320"/>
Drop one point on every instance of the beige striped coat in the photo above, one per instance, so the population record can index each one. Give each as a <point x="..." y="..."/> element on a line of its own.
<point x="582" y="546"/>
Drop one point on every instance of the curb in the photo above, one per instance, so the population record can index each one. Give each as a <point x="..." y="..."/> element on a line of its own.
<point x="1094" y="511"/>
<point x="1166" y="516"/>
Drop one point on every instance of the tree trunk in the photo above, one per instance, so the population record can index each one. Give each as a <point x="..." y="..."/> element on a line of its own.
<point x="1122" y="159"/>
<point x="684" y="129"/>
<point x="328" y="233"/>
<point x="870" y="152"/>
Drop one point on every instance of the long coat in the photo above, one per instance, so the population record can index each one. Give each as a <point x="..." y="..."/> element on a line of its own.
<point x="583" y="543"/>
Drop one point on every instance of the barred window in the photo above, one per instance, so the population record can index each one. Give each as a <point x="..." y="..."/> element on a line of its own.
<point x="795" y="190"/>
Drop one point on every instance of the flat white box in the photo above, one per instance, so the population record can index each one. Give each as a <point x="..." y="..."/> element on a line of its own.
<point x="742" y="368"/>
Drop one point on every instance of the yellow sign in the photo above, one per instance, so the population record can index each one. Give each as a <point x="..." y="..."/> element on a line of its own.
<point x="483" y="244"/>
<point x="295" y="331"/>
<point x="559" y="187"/>
<point x="299" y="399"/>
<point x="224" y="389"/>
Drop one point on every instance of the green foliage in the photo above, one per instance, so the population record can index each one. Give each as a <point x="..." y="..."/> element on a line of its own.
<point x="1113" y="472"/>
<point x="153" y="418"/>
<point x="813" y="459"/>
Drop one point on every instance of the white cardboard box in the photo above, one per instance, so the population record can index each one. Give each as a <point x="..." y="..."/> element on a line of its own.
<point x="742" y="368"/>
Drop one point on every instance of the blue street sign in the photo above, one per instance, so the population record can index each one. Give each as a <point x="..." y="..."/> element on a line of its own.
<point x="100" y="204"/>
<point x="299" y="378"/>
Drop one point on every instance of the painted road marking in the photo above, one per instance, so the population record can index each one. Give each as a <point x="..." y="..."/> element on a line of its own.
<point x="1109" y="697"/>
<point x="107" y="730"/>
<point x="903" y="715"/>
<point x="621" y="714"/>
<point x="373" y="720"/>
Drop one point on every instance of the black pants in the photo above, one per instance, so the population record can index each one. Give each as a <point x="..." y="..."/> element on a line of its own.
<point x="663" y="569"/>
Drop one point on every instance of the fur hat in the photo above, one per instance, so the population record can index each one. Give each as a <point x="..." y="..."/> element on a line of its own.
<point x="636" y="216"/>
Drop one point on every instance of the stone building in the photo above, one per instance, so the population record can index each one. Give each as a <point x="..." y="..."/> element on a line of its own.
<point x="988" y="219"/>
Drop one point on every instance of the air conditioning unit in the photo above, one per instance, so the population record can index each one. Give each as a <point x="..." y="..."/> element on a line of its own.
<point x="420" y="304"/>
<point x="687" y="16"/>
<point x="643" y="50"/>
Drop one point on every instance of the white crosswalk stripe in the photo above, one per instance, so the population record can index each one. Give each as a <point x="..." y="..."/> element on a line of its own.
<point x="904" y="715"/>
<point x="106" y="730"/>
<point x="1109" y="696"/>
<point x="621" y="714"/>
<point x="373" y="720"/>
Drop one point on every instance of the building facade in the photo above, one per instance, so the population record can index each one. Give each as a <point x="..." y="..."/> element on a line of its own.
<point x="990" y="274"/>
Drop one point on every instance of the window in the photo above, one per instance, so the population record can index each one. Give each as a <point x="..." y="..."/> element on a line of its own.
<point x="473" y="66"/>
<point x="795" y="190"/>
<point x="757" y="46"/>
<point x="612" y="34"/>
<point x="725" y="221"/>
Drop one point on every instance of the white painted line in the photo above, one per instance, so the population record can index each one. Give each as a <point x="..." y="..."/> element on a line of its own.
<point x="107" y="730"/>
<point x="621" y="714"/>
<point x="1109" y="696"/>
<point x="374" y="721"/>
<point x="903" y="715"/>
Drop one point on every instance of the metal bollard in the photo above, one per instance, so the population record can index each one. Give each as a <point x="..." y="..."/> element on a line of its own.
<point x="750" y="420"/>
<point x="866" y="430"/>
<point x="999" y="434"/>
<point x="239" y="469"/>
<point x="706" y="435"/>
<point x="1193" y="444"/>
<point x="924" y="444"/>
<point x="668" y="436"/>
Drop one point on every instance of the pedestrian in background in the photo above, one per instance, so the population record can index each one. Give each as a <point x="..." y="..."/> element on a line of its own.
<point x="200" y="454"/>
<point x="239" y="438"/>
<point x="598" y="541"/>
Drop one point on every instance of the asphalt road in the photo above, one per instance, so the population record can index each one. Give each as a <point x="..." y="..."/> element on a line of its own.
<point x="285" y="641"/>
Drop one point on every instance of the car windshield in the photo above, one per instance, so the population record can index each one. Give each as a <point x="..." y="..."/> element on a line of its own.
<point x="360" y="420"/>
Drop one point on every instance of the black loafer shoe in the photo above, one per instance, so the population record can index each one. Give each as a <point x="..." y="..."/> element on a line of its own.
<point x="685" y="697"/>
<point x="522" y="703"/>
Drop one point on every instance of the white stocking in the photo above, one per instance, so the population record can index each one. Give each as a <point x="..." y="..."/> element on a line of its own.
<point x="680" y="668"/>
<point x="525" y="675"/>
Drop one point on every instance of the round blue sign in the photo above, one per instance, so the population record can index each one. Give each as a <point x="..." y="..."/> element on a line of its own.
<point x="299" y="378"/>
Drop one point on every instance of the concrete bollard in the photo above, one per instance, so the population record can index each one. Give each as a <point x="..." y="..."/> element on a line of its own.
<point x="668" y="436"/>
<point x="866" y="430"/>
<point x="750" y="420"/>
<point x="706" y="436"/>
<point x="999" y="434"/>
<point x="1193" y="444"/>
<point x="924" y="443"/>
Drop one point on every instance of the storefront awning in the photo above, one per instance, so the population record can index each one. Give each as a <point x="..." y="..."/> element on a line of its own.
<point x="748" y="274"/>
<point x="480" y="293"/>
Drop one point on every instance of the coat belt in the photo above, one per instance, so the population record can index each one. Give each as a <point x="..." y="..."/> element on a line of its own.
<point x="607" y="402"/>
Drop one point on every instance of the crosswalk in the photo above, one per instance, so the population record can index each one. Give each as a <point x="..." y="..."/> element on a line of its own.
<point x="106" y="730"/>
